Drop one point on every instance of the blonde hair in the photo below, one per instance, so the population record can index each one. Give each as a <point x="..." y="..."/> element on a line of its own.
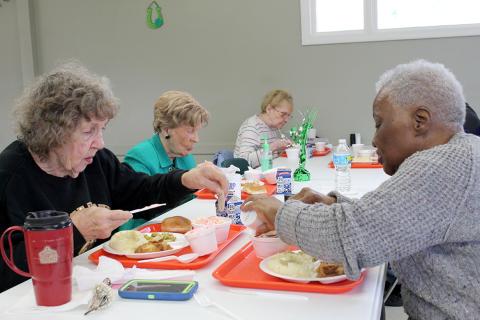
<point x="50" y="109"/>
<point x="175" y="108"/>
<point x="274" y="97"/>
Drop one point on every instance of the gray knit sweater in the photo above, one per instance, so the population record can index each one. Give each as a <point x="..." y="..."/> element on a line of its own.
<point x="425" y="220"/>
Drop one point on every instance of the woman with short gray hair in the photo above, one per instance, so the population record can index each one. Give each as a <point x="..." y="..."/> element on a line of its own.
<point x="59" y="163"/>
<point x="424" y="220"/>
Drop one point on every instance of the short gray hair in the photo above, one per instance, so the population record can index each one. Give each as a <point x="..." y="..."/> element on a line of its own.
<point x="424" y="83"/>
<point x="49" y="110"/>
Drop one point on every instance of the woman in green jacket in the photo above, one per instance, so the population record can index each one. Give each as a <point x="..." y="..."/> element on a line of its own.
<point x="177" y="119"/>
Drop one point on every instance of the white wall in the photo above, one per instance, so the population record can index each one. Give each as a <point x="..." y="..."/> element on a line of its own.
<point x="10" y="69"/>
<point x="226" y="53"/>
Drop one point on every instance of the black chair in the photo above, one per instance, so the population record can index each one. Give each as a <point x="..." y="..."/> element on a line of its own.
<point x="472" y="123"/>
<point x="240" y="163"/>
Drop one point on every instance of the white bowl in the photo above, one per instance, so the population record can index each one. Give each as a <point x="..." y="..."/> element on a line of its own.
<point x="221" y="225"/>
<point x="265" y="247"/>
<point x="202" y="240"/>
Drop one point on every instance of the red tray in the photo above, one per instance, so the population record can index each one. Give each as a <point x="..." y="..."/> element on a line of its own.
<point x="315" y="153"/>
<point x="198" y="263"/>
<point x="242" y="270"/>
<point x="361" y="165"/>
<point x="207" y="194"/>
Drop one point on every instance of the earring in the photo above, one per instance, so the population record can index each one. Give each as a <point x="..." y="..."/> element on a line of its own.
<point x="167" y="136"/>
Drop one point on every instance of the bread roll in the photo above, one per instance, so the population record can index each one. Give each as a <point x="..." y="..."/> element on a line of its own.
<point x="127" y="241"/>
<point x="254" y="188"/>
<point x="176" y="224"/>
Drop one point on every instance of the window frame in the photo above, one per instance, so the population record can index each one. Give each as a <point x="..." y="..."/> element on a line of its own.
<point x="371" y="32"/>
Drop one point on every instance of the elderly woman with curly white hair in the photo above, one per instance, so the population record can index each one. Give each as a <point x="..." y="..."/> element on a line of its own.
<point x="424" y="219"/>
<point x="59" y="162"/>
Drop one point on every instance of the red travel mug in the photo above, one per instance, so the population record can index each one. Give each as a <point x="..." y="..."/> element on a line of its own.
<point x="49" y="249"/>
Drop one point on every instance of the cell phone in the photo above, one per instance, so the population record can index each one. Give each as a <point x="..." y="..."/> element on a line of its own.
<point x="158" y="290"/>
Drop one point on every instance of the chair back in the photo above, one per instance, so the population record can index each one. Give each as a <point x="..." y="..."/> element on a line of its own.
<point x="240" y="163"/>
<point x="222" y="155"/>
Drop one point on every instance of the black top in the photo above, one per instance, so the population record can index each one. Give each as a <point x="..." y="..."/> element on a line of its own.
<point x="472" y="123"/>
<point x="24" y="188"/>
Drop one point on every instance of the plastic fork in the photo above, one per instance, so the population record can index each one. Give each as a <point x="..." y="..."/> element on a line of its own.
<point x="205" y="301"/>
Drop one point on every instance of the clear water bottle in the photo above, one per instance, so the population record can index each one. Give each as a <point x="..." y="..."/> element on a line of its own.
<point x="342" y="159"/>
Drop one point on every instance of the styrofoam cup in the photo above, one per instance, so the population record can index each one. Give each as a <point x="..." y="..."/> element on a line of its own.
<point x="293" y="153"/>
<point x="250" y="219"/>
<point x="203" y="240"/>
<point x="265" y="247"/>
<point x="320" y="146"/>
<point x="221" y="225"/>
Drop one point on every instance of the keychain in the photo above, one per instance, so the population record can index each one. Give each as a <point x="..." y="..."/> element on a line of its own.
<point x="102" y="296"/>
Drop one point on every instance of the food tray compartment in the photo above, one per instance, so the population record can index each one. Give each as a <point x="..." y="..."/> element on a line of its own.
<point x="198" y="263"/>
<point x="242" y="270"/>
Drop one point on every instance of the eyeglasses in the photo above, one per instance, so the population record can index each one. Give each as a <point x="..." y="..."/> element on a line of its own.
<point x="284" y="114"/>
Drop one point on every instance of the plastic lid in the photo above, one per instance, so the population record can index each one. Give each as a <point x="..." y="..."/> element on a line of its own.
<point x="266" y="146"/>
<point x="47" y="220"/>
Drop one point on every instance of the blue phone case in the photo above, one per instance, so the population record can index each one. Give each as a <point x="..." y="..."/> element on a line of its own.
<point x="156" y="295"/>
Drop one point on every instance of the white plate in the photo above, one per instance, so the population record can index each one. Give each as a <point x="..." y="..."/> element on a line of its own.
<point x="177" y="245"/>
<point x="324" y="280"/>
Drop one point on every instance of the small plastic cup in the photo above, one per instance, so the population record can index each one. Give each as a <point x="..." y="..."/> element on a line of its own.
<point x="265" y="247"/>
<point x="320" y="146"/>
<point x="250" y="220"/>
<point x="221" y="225"/>
<point x="202" y="240"/>
<point x="292" y="153"/>
<point x="270" y="176"/>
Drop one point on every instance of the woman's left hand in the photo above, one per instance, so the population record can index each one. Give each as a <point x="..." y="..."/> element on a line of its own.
<point x="206" y="175"/>
<point x="310" y="196"/>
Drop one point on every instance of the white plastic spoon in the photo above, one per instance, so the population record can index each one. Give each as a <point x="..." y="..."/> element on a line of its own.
<point x="185" y="258"/>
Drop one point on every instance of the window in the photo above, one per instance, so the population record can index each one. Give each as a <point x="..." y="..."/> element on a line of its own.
<point x="337" y="21"/>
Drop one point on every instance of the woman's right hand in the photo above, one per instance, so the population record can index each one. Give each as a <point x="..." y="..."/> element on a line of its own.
<point x="280" y="144"/>
<point x="98" y="222"/>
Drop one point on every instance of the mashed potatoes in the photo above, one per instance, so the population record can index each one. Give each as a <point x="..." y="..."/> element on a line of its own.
<point x="293" y="264"/>
<point x="127" y="241"/>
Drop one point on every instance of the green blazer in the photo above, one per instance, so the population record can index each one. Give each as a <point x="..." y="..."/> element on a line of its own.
<point x="150" y="157"/>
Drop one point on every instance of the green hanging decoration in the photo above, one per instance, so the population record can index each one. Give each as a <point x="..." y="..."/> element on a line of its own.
<point x="300" y="136"/>
<point x="158" y="20"/>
